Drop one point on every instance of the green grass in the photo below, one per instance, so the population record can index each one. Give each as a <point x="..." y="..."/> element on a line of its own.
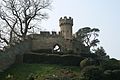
<point x="22" y="71"/>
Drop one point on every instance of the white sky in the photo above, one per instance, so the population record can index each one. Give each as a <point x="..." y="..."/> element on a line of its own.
<point x="102" y="14"/>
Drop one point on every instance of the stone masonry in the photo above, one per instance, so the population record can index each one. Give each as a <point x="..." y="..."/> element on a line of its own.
<point x="64" y="39"/>
<point x="64" y="42"/>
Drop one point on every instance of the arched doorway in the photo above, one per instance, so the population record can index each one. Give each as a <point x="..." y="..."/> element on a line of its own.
<point x="56" y="48"/>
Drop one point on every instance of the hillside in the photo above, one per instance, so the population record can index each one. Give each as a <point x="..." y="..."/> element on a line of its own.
<point x="41" y="72"/>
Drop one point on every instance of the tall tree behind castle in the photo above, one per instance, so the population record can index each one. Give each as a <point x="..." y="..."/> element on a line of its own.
<point x="88" y="36"/>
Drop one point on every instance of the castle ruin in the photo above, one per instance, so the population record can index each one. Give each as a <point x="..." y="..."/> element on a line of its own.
<point x="36" y="45"/>
<point x="64" y="40"/>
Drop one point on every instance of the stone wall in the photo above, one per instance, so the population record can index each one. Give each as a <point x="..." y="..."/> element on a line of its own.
<point x="9" y="53"/>
<point x="47" y="41"/>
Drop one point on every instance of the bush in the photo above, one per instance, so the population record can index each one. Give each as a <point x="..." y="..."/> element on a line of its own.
<point x="111" y="64"/>
<point x="91" y="73"/>
<point x="112" y="75"/>
<point x="68" y="60"/>
<point x="87" y="62"/>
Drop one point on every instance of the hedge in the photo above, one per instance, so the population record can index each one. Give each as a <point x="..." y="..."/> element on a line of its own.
<point x="69" y="60"/>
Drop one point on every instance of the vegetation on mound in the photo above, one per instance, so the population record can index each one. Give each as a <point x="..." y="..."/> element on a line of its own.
<point x="40" y="72"/>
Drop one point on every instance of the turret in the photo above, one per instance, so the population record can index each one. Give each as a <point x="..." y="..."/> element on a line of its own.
<point x="66" y="27"/>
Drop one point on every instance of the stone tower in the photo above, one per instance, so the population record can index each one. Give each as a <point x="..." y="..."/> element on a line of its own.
<point x="66" y="27"/>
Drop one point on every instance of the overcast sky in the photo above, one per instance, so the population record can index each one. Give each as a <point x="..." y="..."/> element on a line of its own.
<point x="102" y="14"/>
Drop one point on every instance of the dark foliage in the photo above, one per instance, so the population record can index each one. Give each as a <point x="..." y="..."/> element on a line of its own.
<point x="112" y="75"/>
<point x="71" y="60"/>
<point x="110" y="64"/>
<point x="91" y="73"/>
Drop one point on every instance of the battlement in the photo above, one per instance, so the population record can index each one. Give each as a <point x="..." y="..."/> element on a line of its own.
<point x="48" y="33"/>
<point x="66" y="20"/>
<point x="45" y="33"/>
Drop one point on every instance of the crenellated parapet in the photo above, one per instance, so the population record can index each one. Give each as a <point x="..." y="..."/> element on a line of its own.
<point x="48" y="33"/>
<point x="66" y="20"/>
<point x="45" y="33"/>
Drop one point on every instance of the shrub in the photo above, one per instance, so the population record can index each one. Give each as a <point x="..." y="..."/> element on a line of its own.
<point x="111" y="64"/>
<point x="67" y="60"/>
<point x="91" y="73"/>
<point x="87" y="62"/>
<point x="112" y="75"/>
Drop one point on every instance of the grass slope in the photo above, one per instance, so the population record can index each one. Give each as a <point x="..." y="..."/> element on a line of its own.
<point x="42" y="71"/>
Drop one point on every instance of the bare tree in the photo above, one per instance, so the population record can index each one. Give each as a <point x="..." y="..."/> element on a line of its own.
<point x="19" y="17"/>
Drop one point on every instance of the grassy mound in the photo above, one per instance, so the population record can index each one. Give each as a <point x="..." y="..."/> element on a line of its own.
<point x="40" y="72"/>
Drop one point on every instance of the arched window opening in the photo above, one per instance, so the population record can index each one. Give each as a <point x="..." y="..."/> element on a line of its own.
<point x="56" y="48"/>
